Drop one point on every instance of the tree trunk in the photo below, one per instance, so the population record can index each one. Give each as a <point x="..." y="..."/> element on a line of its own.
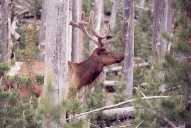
<point x="188" y="105"/>
<point x="77" y="43"/>
<point x="113" y="14"/>
<point x="4" y="31"/>
<point x="57" y="54"/>
<point x="129" y="44"/>
<point x="142" y="4"/>
<point x="187" y="97"/>
<point x="163" y="19"/>
<point x="98" y="12"/>
<point x="42" y="31"/>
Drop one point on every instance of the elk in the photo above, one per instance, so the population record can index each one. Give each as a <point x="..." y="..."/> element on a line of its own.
<point x="84" y="73"/>
<point x="35" y="68"/>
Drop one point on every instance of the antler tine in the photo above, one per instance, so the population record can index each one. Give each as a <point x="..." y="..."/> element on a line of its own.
<point x="91" y="25"/>
<point x="109" y="28"/>
<point x="91" y="19"/>
<point x="81" y="25"/>
<point x="97" y="35"/>
<point x="101" y="38"/>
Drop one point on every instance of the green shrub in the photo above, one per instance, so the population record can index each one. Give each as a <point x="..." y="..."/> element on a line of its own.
<point x="40" y="79"/>
<point x="4" y="67"/>
<point x="17" y="112"/>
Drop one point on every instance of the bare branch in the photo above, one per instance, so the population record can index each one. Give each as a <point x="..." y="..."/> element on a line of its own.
<point x="119" y="112"/>
<point x="117" y="105"/>
<point x="139" y="124"/>
<point x="160" y="115"/>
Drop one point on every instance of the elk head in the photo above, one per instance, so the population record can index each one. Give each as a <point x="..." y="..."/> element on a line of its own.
<point x="85" y="72"/>
<point x="105" y="57"/>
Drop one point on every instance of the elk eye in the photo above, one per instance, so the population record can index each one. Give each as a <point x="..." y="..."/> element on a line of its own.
<point x="102" y="50"/>
<point x="105" y="53"/>
<point x="99" y="52"/>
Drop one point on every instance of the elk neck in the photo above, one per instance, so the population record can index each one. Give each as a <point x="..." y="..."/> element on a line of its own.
<point x="92" y="64"/>
<point x="87" y="71"/>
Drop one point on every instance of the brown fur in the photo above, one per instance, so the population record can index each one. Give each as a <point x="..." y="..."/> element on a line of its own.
<point x="84" y="73"/>
<point x="80" y="74"/>
<point x="23" y="90"/>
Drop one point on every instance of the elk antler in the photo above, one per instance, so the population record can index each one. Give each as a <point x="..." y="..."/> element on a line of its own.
<point x="82" y="25"/>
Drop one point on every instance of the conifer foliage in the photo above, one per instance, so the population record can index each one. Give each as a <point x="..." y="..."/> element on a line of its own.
<point x="154" y="35"/>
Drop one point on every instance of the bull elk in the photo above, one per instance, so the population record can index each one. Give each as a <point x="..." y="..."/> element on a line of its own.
<point x="85" y="72"/>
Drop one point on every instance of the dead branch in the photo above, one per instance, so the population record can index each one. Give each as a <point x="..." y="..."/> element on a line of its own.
<point x="159" y="115"/>
<point x="119" y="68"/>
<point x="117" y="105"/>
<point x="110" y="82"/>
<point x="119" y="112"/>
<point x="139" y="124"/>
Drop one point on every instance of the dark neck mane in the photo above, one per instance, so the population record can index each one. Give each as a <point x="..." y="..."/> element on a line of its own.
<point x="88" y="71"/>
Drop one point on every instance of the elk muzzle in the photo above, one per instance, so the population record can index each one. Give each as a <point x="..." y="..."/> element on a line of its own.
<point x="112" y="58"/>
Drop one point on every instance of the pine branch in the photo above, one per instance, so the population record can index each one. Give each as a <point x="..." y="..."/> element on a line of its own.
<point x="160" y="115"/>
<point x="139" y="124"/>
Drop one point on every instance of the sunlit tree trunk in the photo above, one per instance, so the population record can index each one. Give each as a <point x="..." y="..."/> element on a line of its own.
<point x="163" y="20"/>
<point x="188" y="99"/>
<point x="4" y="31"/>
<point x="129" y="44"/>
<point x="77" y="42"/>
<point x="98" y="12"/>
<point x="57" y="53"/>
<point x="42" y="31"/>
<point x="115" y="3"/>
<point x="142" y="4"/>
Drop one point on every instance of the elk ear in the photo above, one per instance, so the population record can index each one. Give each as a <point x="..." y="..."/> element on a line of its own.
<point x="70" y="66"/>
<point x="100" y="51"/>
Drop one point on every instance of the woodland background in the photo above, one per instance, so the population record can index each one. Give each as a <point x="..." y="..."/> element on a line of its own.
<point x="150" y="89"/>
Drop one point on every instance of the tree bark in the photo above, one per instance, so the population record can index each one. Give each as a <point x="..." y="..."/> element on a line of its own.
<point x="113" y="14"/>
<point x="42" y="31"/>
<point x="4" y="31"/>
<point x="142" y="4"/>
<point x="187" y="97"/>
<point x="163" y="20"/>
<point x="129" y="44"/>
<point x="57" y="53"/>
<point x="77" y="43"/>
<point x="98" y="12"/>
